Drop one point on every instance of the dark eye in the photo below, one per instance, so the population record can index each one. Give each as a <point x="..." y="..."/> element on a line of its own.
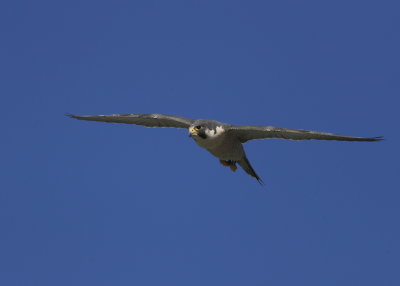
<point x="198" y="127"/>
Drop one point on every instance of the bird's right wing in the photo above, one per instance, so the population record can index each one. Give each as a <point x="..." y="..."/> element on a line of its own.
<point x="148" y="120"/>
<point x="250" y="132"/>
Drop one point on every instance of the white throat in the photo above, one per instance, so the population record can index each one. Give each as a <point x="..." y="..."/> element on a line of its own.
<point x="214" y="133"/>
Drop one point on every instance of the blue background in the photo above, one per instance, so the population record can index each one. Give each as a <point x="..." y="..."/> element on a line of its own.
<point x="84" y="203"/>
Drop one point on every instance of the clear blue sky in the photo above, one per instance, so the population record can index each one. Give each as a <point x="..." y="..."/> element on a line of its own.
<point x="87" y="203"/>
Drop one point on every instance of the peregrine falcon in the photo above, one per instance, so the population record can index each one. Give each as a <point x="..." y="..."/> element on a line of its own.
<point x="224" y="141"/>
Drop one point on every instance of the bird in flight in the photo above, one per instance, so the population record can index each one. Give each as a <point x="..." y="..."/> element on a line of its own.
<point x="224" y="141"/>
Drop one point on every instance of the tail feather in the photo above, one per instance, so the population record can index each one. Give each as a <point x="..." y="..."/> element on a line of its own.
<point x="246" y="166"/>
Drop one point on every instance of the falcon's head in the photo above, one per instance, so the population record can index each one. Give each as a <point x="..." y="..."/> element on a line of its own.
<point x="205" y="129"/>
<point x="197" y="131"/>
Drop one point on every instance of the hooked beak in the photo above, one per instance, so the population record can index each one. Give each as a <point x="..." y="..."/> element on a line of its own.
<point x="193" y="132"/>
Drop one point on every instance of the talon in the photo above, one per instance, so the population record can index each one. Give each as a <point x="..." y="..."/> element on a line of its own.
<point x="233" y="166"/>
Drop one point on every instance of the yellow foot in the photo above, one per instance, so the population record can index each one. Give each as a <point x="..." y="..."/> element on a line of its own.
<point x="233" y="166"/>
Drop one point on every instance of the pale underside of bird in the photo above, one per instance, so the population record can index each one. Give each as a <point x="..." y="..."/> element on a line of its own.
<point x="224" y="141"/>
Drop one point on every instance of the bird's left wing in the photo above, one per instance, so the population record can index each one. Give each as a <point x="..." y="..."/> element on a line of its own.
<point x="250" y="132"/>
<point x="148" y="120"/>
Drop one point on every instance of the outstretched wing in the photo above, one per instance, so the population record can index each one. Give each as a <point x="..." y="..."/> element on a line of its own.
<point x="148" y="120"/>
<point x="250" y="132"/>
